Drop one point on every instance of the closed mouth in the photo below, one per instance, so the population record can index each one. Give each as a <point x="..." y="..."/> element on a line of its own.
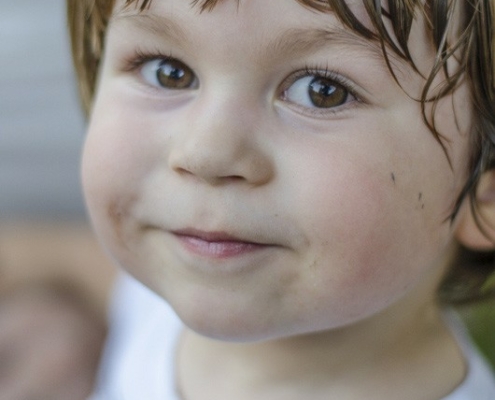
<point x="216" y="244"/>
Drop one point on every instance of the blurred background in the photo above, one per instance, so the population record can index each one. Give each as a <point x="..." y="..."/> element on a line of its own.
<point x="41" y="126"/>
<point x="43" y="226"/>
<point x="54" y="278"/>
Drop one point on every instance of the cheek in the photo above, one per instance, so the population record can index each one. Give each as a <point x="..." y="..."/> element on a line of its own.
<point x="371" y="240"/>
<point x="119" y="155"/>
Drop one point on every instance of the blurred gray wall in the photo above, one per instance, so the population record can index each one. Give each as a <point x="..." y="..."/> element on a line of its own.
<point x="41" y="126"/>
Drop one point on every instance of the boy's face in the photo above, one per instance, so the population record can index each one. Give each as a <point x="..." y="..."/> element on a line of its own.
<point x="275" y="180"/>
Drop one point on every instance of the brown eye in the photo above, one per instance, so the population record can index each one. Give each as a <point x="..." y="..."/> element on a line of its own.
<point x="169" y="74"/>
<point x="325" y="93"/>
<point x="314" y="91"/>
<point x="173" y="74"/>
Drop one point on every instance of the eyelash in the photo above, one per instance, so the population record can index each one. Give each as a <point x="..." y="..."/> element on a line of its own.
<point x="141" y="57"/>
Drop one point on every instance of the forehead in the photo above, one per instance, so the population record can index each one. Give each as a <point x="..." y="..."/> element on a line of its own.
<point x="350" y="19"/>
<point x="387" y="22"/>
<point x="300" y="29"/>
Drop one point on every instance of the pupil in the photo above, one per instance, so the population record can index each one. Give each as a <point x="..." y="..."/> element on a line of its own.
<point x="174" y="75"/>
<point x="326" y="94"/>
<point x="323" y="89"/>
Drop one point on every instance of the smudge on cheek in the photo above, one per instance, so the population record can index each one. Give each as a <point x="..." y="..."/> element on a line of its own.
<point x="119" y="216"/>
<point x="115" y="213"/>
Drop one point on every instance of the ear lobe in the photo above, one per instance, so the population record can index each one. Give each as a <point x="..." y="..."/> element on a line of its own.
<point x="468" y="231"/>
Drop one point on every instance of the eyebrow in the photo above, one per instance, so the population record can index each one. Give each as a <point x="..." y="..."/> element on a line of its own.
<point x="154" y="24"/>
<point x="301" y="40"/>
<point x="294" y="40"/>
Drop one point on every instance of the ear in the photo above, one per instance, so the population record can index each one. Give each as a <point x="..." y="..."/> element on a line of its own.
<point x="468" y="233"/>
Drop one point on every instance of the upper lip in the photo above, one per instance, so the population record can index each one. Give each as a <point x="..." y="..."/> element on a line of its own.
<point x="212" y="236"/>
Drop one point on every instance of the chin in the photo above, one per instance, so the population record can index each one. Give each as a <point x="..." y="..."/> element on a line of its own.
<point x="227" y="323"/>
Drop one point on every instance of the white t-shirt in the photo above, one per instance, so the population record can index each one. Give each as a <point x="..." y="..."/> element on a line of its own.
<point x="139" y="359"/>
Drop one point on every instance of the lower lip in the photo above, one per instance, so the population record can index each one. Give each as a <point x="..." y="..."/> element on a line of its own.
<point x="217" y="249"/>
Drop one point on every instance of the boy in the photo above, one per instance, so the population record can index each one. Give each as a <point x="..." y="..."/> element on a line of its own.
<point x="294" y="178"/>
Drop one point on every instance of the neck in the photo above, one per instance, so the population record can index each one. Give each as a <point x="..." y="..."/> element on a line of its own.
<point x="375" y="357"/>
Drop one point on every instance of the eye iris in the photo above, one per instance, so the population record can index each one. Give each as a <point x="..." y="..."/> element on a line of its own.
<point x="174" y="75"/>
<point x="325" y="93"/>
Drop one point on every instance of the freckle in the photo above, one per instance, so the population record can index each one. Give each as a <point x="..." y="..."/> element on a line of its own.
<point x="420" y="196"/>
<point x="392" y="175"/>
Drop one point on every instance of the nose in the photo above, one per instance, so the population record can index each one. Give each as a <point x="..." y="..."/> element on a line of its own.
<point x="219" y="142"/>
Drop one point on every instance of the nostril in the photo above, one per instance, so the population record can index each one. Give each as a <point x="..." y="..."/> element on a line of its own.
<point x="183" y="171"/>
<point x="233" y="178"/>
<point x="205" y="175"/>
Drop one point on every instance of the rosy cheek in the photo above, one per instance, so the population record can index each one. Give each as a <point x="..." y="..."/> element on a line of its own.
<point x="359" y="226"/>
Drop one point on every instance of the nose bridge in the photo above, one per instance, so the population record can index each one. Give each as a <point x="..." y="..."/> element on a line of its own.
<point x="222" y="117"/>
<point x="219" y="139"/>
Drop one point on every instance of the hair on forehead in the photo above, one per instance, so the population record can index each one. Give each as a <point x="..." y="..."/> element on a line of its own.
<point x="144" y="4"/>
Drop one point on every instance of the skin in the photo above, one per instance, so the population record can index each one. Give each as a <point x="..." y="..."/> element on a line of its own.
<point x="336" y="218"/>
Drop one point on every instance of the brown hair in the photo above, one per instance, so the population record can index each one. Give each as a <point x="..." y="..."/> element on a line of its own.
<point x="472" y="46"/>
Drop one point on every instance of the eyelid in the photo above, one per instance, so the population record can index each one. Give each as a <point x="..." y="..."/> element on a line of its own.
<point x="326" y="73"/>
<point x="139" y="57"/>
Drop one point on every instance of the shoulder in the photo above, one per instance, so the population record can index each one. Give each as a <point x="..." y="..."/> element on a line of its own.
<point x="140" y="349"/>
<point x="479" y="383"/>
